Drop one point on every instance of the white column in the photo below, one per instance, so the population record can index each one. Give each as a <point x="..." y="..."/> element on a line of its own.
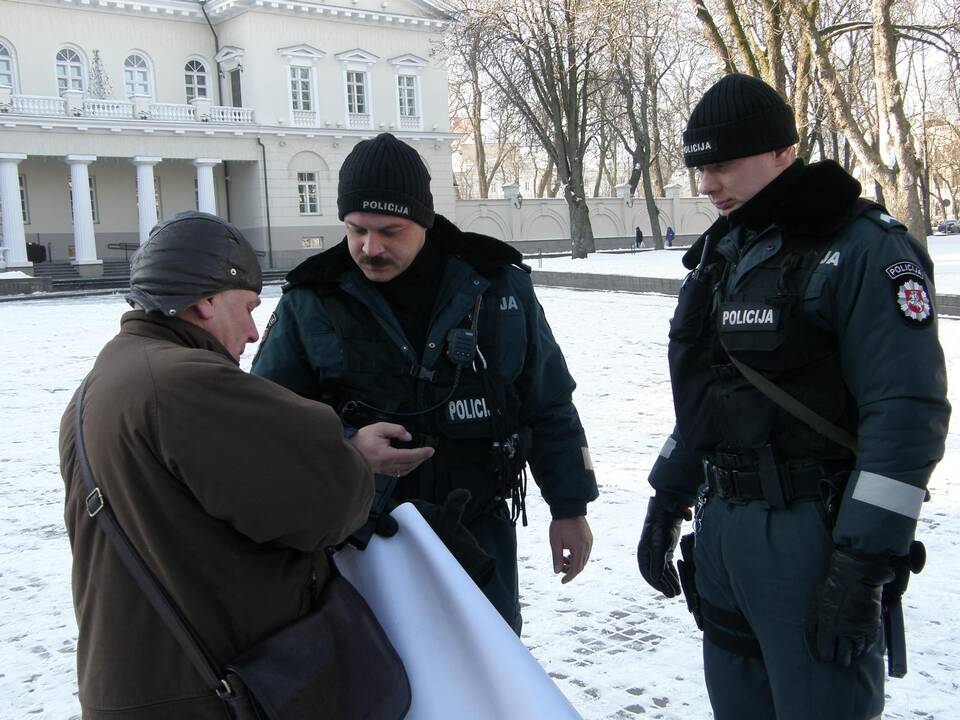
<point x="146" y="197"/>
<point x="14" y="254"/>
<point x="84" y="240"/>
<point x="511" y="192"/>
<point x="206" y="192"/>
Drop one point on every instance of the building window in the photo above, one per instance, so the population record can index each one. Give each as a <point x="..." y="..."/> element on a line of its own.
<point x="196" y="194"/>
<point x="313" y="243"/>
<point x="407" y="94"/>
<point x="69" y="70"/>
<point x="156" y="196"/>
<point x="308" y="192"/>
<point x="195" y="79"/>
<point x="300" y="93"/>
<point x="93" y="198"/>
<point x="136" y="75"/>
<point x="24" y="208"/>
<point x="24" y="205"/>
<point x="356" y="92"/>
<point x="6" y="66"/>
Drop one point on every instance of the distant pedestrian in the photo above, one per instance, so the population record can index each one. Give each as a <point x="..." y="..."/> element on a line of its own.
<point x="670" y="236"/>
<point x="639" y="240"/>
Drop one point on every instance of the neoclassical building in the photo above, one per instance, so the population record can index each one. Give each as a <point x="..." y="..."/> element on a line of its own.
<point x="114" y="113"/>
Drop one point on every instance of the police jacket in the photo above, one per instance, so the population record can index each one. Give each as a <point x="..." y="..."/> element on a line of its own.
<point x="229" y="502"/>
<point x="334" y="338"/>
<point x="829" y="297"/>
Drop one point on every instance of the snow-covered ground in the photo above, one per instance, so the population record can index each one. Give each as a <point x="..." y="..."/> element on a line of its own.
<point x="944" y="249"/>
<point x="616" y="649"/>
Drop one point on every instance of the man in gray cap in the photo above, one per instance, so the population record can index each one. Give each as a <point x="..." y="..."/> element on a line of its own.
<point x="810" y="396"/>
<point x="228" y="486"/>
<point x="412" y="321"/>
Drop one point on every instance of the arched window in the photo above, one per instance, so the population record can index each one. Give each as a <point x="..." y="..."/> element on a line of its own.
<point x="195" y="79"/>
<point x="6" y="66"/>
<point x="136" y="75"/>
<point x="69" y="70"/>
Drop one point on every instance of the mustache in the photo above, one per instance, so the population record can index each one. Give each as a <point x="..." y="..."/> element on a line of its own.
<point x="375" y="261"/>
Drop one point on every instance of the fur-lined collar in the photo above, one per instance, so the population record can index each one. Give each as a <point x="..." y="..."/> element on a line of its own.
<point x="482" y="252"/>
<point x="815" y="200"/>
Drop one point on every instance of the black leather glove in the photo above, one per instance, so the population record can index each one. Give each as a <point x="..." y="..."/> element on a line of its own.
<point x="845" y="623"/>
<point x="658" y="540"/>
<point x="447" y="522"/>
<point x="380" y="524"/>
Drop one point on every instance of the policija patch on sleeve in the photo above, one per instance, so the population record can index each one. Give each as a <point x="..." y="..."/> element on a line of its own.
<point x="912" y="296"/>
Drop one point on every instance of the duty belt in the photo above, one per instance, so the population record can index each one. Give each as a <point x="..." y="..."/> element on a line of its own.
<point x="759" y="477"/>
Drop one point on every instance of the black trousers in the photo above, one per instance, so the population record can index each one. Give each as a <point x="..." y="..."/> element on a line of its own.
<point x="766" y="564"/>
<point x="498" y="537"/>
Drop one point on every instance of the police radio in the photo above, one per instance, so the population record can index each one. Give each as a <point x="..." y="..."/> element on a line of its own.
<point x="461" y="351"/>
<point x="461" y="346"/>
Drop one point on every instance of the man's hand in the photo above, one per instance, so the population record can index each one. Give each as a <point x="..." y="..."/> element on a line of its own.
<point x="846" y="619"/>
<point x="571" y="542"/>
<point x="658" y="540"/>
<point x="373" y="442"/>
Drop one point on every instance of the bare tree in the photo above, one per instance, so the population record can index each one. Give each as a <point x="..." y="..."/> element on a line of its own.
<point x="544" y="56"/>
<point x="490" y="125"/>
<point x="640" y="57"/>
<point x="892" y="159"/>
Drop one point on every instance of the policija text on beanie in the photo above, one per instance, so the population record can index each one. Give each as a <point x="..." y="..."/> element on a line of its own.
<point x="189" y="257"/>
<point x="737" y="117"/>
<point x="385" y="176"/>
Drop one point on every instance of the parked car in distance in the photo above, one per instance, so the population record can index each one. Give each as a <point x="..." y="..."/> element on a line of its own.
<point x="949" y="227"/>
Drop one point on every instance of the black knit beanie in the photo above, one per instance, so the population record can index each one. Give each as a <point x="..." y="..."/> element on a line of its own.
<point x="737" y="117"/>
<point x="386" y="176"/>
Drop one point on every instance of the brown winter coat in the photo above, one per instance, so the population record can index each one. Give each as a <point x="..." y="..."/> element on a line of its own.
<point x="228" y="485"/>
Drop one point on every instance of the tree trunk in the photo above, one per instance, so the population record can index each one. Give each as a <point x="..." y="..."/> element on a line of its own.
<point x="653" y="212"/>
<point x="476" y="119"/>
<point x="581" y="231"/>
<point x="902" y="185"/>
<point x="545" y="180"/>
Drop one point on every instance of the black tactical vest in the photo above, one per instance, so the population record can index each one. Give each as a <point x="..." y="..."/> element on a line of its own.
<point x="472" y="406"/>
<point x="763" y="324"/>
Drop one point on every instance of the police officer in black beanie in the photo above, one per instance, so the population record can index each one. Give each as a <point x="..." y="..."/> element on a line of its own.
<point x="411" y="321"/>
<point x="810" y="397"/>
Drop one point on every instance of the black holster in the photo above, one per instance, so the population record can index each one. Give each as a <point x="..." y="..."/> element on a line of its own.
<point x="894" y="630"/>
<point x="687" y="571"/>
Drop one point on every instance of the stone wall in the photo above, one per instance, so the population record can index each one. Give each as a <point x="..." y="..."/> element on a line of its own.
<point x="543" y="224"/>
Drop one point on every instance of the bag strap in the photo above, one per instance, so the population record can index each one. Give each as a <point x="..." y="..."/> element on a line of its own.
<point x="99" y="510"/>
<point x="796" y="408"/>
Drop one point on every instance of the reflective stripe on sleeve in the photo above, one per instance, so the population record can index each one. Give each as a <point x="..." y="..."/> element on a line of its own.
<point x="889" y="494"/>
<point x="587" y="460"/>
<point x="668" y="447"/>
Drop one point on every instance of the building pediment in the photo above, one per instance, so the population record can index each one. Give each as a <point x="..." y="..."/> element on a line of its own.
<point x="357" y="56"/>
<point x="301" y="52"/>
<point x="229" y="53"/>
<point x="409" y="60"/>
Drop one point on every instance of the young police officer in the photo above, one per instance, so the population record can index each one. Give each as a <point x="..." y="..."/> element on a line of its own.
<point x="412" y="321"/>
<point x="809" y="388"/>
